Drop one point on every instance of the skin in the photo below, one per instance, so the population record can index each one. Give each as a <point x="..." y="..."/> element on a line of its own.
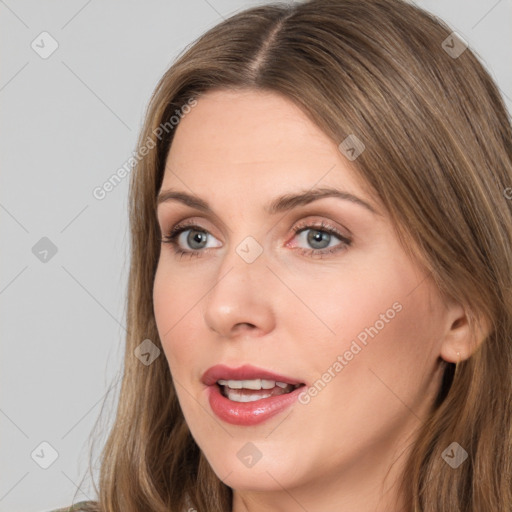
<point x="294" y="313"/>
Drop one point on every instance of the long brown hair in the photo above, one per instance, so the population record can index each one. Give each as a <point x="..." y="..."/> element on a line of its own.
<point x="438" y="154"/>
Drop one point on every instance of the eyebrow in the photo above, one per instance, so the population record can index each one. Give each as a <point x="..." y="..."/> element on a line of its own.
<point x="280" y="204"/>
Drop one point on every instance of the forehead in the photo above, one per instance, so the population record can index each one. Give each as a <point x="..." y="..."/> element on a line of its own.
<point x="257" y="137"/>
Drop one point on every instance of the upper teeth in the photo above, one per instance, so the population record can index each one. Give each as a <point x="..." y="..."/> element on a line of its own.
<point x="252" y="384"/>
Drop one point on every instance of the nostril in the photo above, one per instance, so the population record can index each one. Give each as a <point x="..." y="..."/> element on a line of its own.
<point x="244" y="325"/>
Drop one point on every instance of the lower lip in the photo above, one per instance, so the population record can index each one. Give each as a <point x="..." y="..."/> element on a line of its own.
<point x="249" y="413"/>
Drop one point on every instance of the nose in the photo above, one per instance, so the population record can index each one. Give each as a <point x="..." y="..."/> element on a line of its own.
<point x="240" y="298"/>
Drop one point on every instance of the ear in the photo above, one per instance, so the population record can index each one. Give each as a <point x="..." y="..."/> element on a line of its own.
<point x="464" y="334"/>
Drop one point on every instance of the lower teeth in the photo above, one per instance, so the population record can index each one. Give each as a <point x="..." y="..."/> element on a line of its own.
<point x="238" y="395"/>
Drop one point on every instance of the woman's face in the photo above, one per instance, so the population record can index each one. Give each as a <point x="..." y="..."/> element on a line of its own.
<point x="311" y="289"/>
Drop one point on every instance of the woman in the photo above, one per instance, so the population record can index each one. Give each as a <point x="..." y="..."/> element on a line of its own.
<point x="319" y="301"/>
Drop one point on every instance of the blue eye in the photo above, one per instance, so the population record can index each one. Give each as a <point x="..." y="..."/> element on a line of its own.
<point x="317" y="238"/>
<point x="193" y="241"/>
<point x="196" y="239"/>
<point x="322" y="238"/>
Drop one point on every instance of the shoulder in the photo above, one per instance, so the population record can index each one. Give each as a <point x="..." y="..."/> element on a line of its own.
<point x="77" y="507"/>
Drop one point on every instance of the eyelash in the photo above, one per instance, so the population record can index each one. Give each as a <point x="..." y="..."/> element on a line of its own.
<point x="171" y="237"/>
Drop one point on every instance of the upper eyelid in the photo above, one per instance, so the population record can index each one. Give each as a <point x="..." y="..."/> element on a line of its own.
<point x="324" y="224"/>
<point x="302" y="212"/>
<point x="204" y="216"/>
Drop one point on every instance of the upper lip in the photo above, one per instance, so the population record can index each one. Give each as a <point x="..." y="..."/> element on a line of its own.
<point x="245" y="372"/>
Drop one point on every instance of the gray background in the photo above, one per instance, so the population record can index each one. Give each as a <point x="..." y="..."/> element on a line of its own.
<point x="69" y="121"/>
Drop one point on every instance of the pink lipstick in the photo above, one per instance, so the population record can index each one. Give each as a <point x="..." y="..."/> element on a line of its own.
<point x="248" y="395"/>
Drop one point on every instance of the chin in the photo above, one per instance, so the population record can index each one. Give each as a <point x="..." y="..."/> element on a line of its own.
<point x="262" y="480"/>
<point x="265" y="474"/>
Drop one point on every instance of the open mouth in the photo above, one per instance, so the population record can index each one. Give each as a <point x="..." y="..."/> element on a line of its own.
<point x="254" y="389"/>
<point x="247" y="395"/>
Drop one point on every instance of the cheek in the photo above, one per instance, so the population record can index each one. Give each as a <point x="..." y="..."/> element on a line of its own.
<point x="345" y="303"/>
<point x="377" y="314"/>
<point x="389" y="348"/>
<point x="373" y="369"/>
<point x="175" y="294"/>
<point x="174" y="300"/>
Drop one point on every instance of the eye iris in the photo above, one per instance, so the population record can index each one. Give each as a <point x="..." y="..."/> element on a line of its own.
<point x="315" y="237"/>
<point x="198" y="237"/>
